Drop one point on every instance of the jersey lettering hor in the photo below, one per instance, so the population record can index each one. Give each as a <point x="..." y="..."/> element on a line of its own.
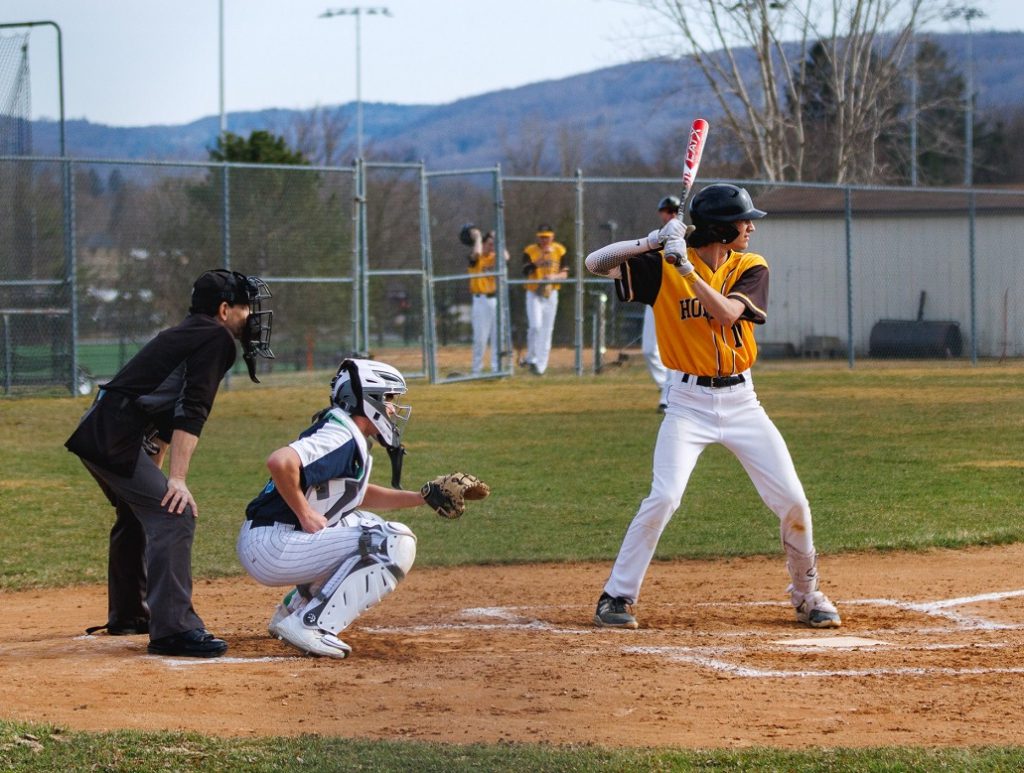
<point x="690" y="308"/>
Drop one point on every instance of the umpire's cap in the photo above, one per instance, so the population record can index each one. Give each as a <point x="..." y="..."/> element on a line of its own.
<point x="217" y="286"/>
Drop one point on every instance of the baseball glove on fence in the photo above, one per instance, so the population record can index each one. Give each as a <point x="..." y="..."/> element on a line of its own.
<point x="447" y="494"/>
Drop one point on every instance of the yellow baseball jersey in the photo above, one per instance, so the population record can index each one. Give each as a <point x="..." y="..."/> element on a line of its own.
<point x="482" y="264"/>
<point x="688" y="339"/>
<point x="532" y="255"/>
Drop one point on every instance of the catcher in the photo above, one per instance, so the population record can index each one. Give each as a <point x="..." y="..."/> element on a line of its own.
<point x="306" y="528"/>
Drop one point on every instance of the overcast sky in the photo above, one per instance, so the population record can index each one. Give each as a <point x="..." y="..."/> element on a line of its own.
<point x="135" y="62"/>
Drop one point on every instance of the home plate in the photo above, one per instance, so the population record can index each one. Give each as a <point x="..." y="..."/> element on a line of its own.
<point x="839" y="642"/>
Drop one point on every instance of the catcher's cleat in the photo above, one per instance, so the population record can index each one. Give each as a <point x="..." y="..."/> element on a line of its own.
<point x="814" y="609"/>
<point x="613" y="613"/>
<point x="311" y="641"/>
<point x="293" y="601"/>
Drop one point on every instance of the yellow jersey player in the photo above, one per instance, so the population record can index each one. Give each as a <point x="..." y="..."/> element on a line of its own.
<point x="707" y="294"/>
<point x="483" y="286"/>
<point x="542" y="262"/>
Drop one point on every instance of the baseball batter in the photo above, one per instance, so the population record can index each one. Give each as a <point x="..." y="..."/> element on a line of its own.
<point x="307" y="528"/>
<point x="707" y="293"/>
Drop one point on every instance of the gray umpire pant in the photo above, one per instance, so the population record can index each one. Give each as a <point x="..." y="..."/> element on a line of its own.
<point x="149" y="571"/>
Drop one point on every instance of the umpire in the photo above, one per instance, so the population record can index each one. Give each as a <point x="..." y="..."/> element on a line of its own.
<point x="164" y="395"/>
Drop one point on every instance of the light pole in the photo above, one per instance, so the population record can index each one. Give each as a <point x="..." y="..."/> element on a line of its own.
<point x="220" y="55"/>
<point x="968" y="13"/>
<point x="358" y="11"/>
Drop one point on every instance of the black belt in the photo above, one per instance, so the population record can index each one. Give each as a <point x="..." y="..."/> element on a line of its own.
<point x="484" y="295"/>
<point x="715" y="381"/>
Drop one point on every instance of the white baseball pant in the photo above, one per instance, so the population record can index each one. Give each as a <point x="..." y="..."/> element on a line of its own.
<point x="540" y="320"/>
<point x="485" y="331"/>
<point x="697" y="417"/>
<point x="286" y="555"/>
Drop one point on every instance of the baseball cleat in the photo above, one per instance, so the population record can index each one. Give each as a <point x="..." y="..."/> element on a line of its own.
<point x="292" y="602"/>
<point x="613" y="613"/>
<point x="814" y="609"/>
<point x="311" y="641"/>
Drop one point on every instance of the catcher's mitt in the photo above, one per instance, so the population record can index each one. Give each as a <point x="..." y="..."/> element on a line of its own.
<point x="447" y="494"/>
<point x="465" y="236"/>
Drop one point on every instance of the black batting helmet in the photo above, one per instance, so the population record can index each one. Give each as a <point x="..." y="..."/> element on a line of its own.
<point x="723" y="203"/>
<point x="671" y="203"/>
<point x="714" y="210"/>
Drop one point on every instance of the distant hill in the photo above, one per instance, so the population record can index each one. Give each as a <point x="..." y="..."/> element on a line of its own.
<point x="627" y="106"/>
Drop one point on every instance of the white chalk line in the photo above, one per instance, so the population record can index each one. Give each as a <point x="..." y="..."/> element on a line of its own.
<point x="688" y="655"/>
<point x="221" y="661"/>
<point x="939" y="608"/>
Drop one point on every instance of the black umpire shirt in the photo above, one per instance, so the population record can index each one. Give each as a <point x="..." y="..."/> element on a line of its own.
<point x="169" y="384"/>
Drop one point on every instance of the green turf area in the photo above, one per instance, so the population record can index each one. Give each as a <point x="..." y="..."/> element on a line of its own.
<point x="44" y="748"/>
<point x="909" y="457"/>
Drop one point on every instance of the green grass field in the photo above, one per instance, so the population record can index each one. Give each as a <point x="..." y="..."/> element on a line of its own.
<point x="891" y="457"/>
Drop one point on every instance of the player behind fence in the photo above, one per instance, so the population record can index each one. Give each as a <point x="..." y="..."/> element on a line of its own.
<point x="668" y="207"/>
<point x="484" y="289"/>
<point x="542" y="263"/>
<point x="307" y="527"/>
<point x="707" y="294"/>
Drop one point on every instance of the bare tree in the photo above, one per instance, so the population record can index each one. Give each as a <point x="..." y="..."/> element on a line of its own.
<point x="317" y="135"/>
<point x="755" y="56"/>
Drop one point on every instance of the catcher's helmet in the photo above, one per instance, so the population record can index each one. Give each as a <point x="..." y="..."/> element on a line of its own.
<point x="465" y="236"/>
<point x="363" y="388"/>
<point x="218" y="286"/>
<point x="671" y="203"/>
<point x="723" y="203"/>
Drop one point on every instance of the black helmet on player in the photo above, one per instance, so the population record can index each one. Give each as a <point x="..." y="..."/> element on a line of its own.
<point x="369" y="388"/>
<point x="219" y="286"/>
<point x="714" y="210"/>
<point x="671" y="203"/>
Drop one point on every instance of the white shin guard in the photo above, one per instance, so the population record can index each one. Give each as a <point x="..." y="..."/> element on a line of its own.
<point x="803" y="571"/>
<point x="386" y="554"/>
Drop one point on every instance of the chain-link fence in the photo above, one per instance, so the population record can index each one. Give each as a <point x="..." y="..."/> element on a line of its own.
<point x="96" y="256"/>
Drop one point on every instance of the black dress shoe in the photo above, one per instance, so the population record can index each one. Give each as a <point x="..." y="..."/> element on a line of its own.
<point x="197" y="643"/>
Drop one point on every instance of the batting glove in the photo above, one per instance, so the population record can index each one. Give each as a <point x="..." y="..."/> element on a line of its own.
<point x="673" y="229"/>
<point x="675" y="253"/>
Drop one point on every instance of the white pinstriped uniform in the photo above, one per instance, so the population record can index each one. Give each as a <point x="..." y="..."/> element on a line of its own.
<point x="336" y="468"/>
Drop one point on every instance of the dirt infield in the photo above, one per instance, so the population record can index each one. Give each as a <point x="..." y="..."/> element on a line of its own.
<point x="929" y="654"/>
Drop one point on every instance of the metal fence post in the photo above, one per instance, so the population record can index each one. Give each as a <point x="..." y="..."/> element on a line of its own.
<point x="71" y="268"/>
<point x="358" y="202"/>
<point x="579" y="299"/>
<point x="364" y="265"/>
<point x="504" y="334"/>
<point x="972" y="212"/>
<point x="427" y="284"/>
<point x="848" y="201"/>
